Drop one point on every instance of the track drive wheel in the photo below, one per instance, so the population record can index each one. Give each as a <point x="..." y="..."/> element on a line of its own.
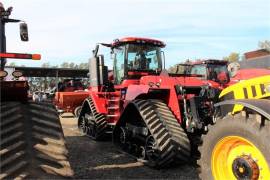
<point x="32" y="143"/>
<point x="82" y="125"/>
<point x="236" y="147"/>
<point x="92" y="123"/>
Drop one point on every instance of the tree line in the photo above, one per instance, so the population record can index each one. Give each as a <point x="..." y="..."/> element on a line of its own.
<point x="235" y="56"/>
<point x="71" y="65"/>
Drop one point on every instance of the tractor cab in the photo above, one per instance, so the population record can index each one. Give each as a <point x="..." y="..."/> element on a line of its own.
<point x="132" y="59"/>
<point x="213" y="70"/>
<point x="136" y="57"/>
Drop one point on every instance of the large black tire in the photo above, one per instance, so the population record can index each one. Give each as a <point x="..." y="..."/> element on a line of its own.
<point x="32" y="142"/>
<point x="252" y="127"/>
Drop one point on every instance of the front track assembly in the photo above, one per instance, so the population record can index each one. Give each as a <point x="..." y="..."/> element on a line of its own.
<point x="92" y="123"/>
<point x="148" y="130"/>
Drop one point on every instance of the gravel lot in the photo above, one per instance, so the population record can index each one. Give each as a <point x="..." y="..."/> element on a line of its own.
<point x="101" y="160"/>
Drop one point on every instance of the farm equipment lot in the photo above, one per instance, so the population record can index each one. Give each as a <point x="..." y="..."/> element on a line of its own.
<point x="101" y="160"/>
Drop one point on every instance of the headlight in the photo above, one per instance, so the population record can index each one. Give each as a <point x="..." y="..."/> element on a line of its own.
<point x="17" y="74"/>
<point x="3" y="74"/>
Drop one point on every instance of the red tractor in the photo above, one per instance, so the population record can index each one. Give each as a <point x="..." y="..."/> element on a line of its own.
<point x="143" y="105"/>
<point x="213" y="71"/>
<point x="220" y="73"/>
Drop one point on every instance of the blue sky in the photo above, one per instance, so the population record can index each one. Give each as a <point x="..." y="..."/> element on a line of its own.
<point x="67" y="30"/>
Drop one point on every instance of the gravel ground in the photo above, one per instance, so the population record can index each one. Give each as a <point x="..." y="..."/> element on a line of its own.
<point x="101" y="160"/>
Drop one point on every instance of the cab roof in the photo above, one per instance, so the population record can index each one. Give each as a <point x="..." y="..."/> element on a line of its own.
<point x="137" y="40"/>
<point x="211" y="61"/>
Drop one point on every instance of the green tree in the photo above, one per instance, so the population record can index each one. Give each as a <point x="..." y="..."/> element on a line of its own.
<point x="71" y="65"/>
<point x="233" y="57"/>
<point x="45" y="65"/>
<point x="65" y="65"/>
<point x="12" y="64"/>
<point x="83" y="66"/>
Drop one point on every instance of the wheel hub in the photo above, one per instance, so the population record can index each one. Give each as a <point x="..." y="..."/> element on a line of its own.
<point x="244" y="167"/>
<point x="82" y="125"/>
<point x="150" y="148"/>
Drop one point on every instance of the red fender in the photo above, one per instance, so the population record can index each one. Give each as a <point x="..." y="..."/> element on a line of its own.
<point x="133" y="91"/>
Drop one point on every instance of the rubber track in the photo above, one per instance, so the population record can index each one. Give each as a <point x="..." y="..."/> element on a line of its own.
<point x="32" y="142"/>
<point x="172" y="142"/>
<point x="100" y="121"/>
<point x="177" y="133"/>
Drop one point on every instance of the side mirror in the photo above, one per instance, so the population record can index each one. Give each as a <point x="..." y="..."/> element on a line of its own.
<point x="24" y="32"/>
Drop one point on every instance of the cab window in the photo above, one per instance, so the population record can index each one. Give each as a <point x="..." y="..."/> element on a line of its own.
<point x="199" y="70"/>
<point x="119" y="64"/>
<point x="143" y="57"/>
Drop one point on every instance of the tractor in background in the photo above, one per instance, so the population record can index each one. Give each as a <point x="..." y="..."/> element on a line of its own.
<point x="69" y="96"/>
<point x="32" y="141"/>
<point x="232" y="73"/>
<point x="70" y="85"/>
<point x="213" y="71"/>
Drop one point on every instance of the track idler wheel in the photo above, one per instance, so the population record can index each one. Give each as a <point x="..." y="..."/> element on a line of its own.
<point x="123" y="138"/>
<point x="77" y="111"/>
<point x="142" y="153"/>
<point x="82" y="124"/>
<point x="151" y="149"/>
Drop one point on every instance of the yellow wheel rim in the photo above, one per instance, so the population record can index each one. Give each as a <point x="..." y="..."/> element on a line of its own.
<point x="235" y="156"/>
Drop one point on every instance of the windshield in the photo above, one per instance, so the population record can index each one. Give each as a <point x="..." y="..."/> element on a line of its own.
<point x="180" y="69"/>
<point x="135" y="57"/>
<point x="143" y="57"/>
<point x="198" y="70"/>
<point x="215" y="70"/>
<point x="211" y="71"/>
